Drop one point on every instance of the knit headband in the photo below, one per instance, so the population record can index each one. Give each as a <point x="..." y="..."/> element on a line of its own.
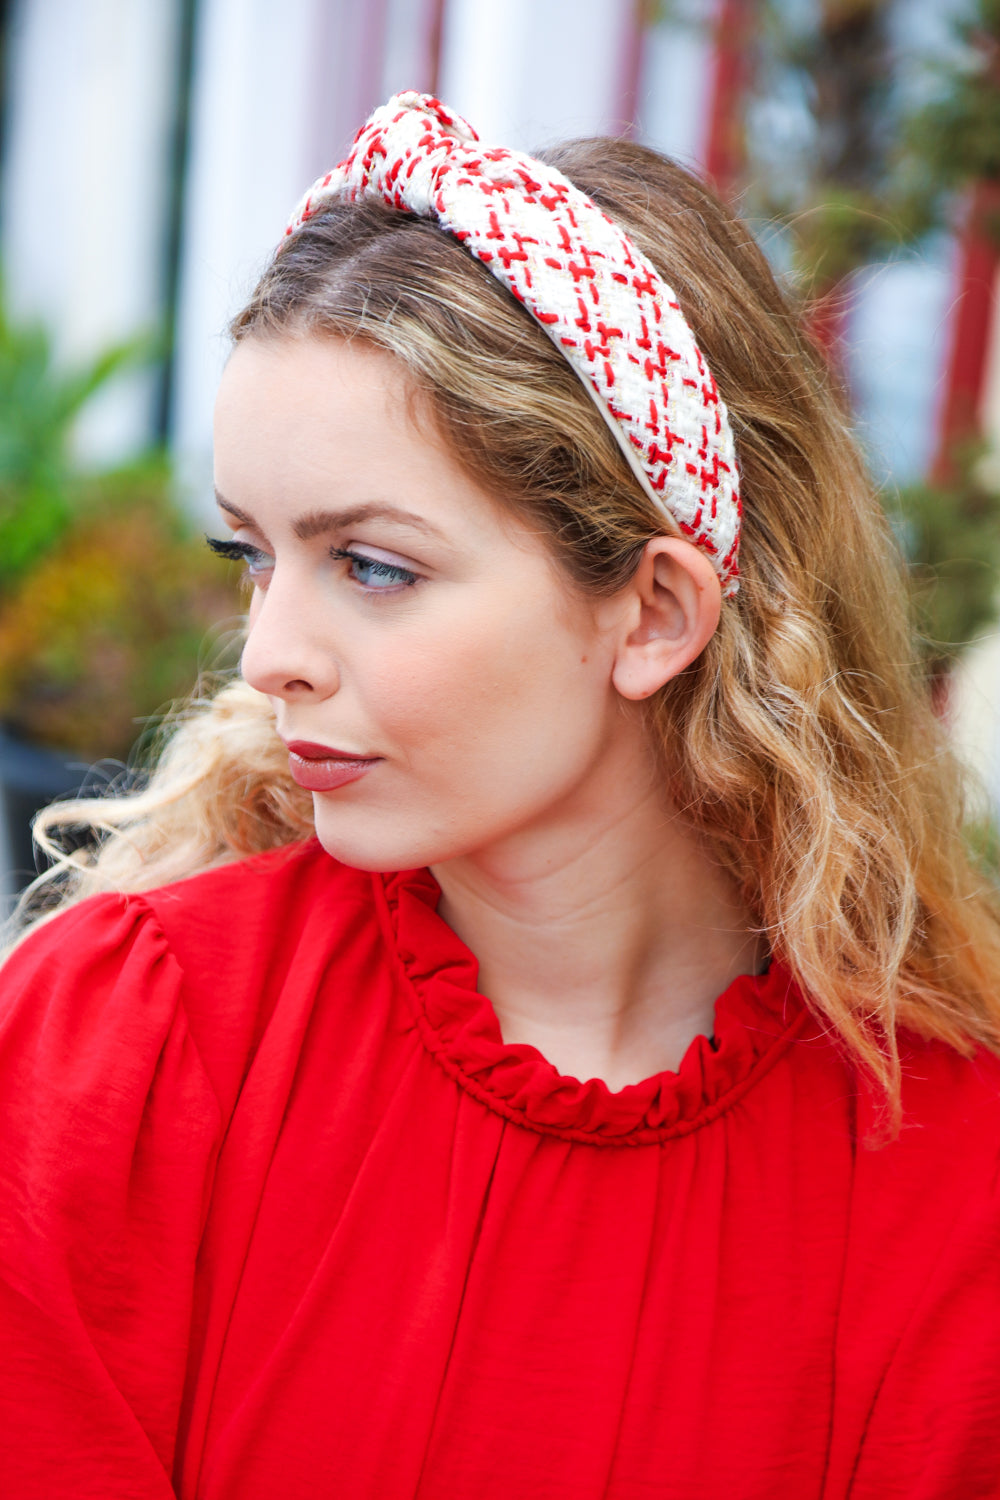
<point x="596" y="295"/>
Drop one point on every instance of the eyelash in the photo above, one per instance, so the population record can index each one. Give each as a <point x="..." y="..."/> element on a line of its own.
<point x="375" y="565"/>
<point x="234" y="551"/>
<point x="244" y="552"/>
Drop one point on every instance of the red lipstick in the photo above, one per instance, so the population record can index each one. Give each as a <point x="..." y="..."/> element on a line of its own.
<point x="319" y="768"/>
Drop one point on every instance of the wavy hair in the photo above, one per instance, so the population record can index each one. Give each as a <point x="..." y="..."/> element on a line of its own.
<point x="801" y="742"/>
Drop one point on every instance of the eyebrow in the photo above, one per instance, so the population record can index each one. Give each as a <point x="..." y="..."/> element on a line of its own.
<point x="319" y="522"/>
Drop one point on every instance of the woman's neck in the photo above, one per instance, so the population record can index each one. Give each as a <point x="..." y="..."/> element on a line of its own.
<point x="604" y="938"/>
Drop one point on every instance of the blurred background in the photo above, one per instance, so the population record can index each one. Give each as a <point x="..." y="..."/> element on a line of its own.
<point x="150" y="151"/>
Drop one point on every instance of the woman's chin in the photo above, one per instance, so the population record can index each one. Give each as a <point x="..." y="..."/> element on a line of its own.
<point x="378" y="844"/>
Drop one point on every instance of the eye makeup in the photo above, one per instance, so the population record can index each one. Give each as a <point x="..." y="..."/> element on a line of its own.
<point x="373" y="574"/>
<point x="233" y="551"/>
<point x="257" y="561"/>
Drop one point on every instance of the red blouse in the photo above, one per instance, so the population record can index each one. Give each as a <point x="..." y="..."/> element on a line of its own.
<point x="282" y="1215"/>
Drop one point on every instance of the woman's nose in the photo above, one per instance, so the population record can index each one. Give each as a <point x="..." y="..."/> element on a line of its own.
<point x="287" y="652"/>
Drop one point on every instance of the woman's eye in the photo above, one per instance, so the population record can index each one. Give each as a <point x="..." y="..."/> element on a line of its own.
<point x="373" y="573"/>
<point x="257" y="561"/>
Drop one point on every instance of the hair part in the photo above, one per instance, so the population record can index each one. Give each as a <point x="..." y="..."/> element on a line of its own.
<point x="801" y="742"/>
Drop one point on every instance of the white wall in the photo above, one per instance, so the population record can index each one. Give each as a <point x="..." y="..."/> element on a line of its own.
<point x="975" y="716"/>
<point x="676" y="84"/>
<point x="278" y="92"/>
<point x="85" y="185"/>
<point x="896" y="357"/>
<point x="527" y="73"/>
<point x="249" y="158"/>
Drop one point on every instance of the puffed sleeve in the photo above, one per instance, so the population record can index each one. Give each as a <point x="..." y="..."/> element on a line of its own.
<point x="110" y="1129"/>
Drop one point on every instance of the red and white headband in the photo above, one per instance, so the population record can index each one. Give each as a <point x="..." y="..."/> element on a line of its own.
<point x="598" y="298"/>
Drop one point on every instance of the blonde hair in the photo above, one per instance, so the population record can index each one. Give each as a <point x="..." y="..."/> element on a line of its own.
<point x="801" y="742"/>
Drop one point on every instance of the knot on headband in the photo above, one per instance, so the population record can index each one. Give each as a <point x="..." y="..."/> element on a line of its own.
<point x="598" y="298"/>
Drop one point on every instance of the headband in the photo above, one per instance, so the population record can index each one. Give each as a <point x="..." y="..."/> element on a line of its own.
<point x="595" y="294"/>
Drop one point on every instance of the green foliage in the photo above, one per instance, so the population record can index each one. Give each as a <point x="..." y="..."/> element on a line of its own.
<point x="843" y="228"/>
<point x="956" y="135"/>
<point x="881" y="155"/>
<point x="951" y="536"/>
<point x="108" y="625"/>
<point x="884" y="142"/>
<point x="829" y="183"/>
<point x="105" y="596"/>
<point x="982" y="837"/>
<point x="38" y="408"/>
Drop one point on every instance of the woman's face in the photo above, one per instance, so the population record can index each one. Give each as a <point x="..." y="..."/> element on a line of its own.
<point x="446" y="688"/>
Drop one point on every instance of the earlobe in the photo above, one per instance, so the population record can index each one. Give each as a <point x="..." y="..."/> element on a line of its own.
<point x="673" y="606"/>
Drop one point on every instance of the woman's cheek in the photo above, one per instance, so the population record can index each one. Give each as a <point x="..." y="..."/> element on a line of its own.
<point x="428" y="680"/>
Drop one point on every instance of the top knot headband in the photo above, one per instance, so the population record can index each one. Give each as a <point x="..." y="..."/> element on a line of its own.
<point x="597" y="297"/>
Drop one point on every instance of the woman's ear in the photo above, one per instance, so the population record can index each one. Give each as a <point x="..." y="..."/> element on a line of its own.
<point x="673" y="604"/>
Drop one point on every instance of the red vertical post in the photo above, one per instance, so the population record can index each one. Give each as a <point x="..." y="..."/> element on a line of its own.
<point x="725" y="152"/>
<point x="974" y="311"/>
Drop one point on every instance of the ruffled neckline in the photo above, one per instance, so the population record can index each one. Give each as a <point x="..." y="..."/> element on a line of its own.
<point x="756" y="1018"/>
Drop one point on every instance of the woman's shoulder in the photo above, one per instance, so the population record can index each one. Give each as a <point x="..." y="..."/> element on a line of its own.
<point x="210" y="915"/>
<point x="267" y="900"/>
<point x="211" y="954"/>
<point x="928" y="1197"/>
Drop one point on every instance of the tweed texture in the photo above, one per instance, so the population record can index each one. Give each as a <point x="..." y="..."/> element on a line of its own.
<point x="607" y="309"/>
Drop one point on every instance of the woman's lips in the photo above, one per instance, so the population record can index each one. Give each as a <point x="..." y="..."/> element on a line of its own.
<point x="319" y="768"/>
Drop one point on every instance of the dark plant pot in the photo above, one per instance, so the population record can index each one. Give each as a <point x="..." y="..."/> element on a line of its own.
<point x="29" y="779"/>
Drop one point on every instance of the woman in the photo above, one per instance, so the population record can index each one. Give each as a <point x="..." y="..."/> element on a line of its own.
<point x="702" y="1199"/>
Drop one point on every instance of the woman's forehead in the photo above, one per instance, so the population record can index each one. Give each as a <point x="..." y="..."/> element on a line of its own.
<point x="326" y="428"/>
